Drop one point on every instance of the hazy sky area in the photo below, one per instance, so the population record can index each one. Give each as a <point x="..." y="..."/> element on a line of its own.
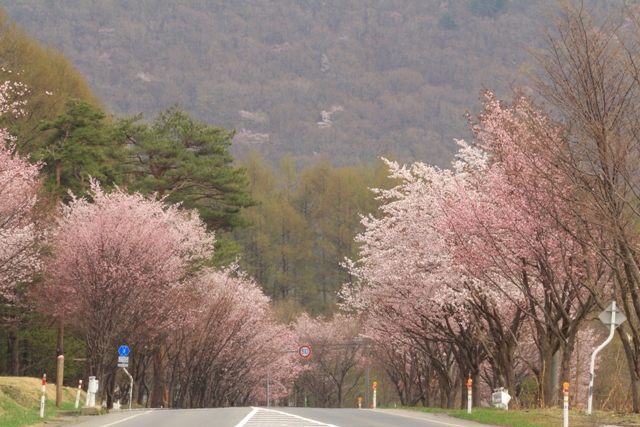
<point x="351" y="79"/>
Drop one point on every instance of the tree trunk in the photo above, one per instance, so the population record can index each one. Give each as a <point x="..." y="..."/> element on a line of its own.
<point x="110" y="385"/>
<point x="475" y="389"/>
<point x="58" y="172"/>
<point x="544" y="378"/>
<point x="428" y="401"/>
<point x="159" y="392"/>
<point x="14" y="352"/>
<point x="632" y="362"/>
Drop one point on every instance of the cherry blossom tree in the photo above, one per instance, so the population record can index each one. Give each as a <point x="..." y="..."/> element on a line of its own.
<point x="409" y="286"/>
<point x="118" y="268"/>
<point x="407" y="368"/>
<point x="510" y="227"/>
<point x="21" y="232"/>
<point x="228" y="343"/>
<point x="19" y="235"/>
<point x="336" y="364"/>
<point x="19" y="188"/>
<point x="464" y="258"/>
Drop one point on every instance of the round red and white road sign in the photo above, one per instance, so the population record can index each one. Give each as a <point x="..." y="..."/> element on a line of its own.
<point x="304" y="351"/>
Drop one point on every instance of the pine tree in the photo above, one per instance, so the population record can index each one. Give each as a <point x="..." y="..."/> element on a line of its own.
<point x="78" y="146"/>
<point x="187" y="162"/>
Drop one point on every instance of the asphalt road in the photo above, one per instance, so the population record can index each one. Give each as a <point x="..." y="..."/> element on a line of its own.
<point x="273" y="417"/>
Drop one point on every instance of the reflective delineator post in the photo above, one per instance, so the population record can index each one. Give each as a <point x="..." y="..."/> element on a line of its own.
<point x="78" y="394"/>
<point x="375" y="386"/>
<point x="359" y="403"/>
<point x="565" y="391"/>
<point x="469" y="395"/>
<point x="44" y="387"/>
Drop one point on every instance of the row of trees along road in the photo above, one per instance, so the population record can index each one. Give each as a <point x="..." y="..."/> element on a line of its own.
<point x="115" y="262"/>
<point x="116" y="266"/>
<point x="490" y="269"/>
<point x="50" y="80"/>
<point x="121" y="257"/>
<point x="127" y="285"/>
<point x="486" y="270"/>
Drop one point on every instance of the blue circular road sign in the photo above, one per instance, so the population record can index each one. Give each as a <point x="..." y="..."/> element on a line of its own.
<point x="124" y="350"/>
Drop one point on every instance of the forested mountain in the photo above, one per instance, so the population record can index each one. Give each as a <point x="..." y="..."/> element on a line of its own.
<point x="350" y="79"/>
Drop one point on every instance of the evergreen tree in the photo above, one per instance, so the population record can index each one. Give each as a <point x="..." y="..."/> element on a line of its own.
<point x="78" y="145"/>
<point x="187" y="162"/>
<point x="305" y="226"/>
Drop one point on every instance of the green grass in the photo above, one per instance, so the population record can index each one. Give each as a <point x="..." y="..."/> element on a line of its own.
<point x="552" y="417"/>
<point x="15" y="415"/>
<point x="500" y="417"/>
<point x="20" y="401"/>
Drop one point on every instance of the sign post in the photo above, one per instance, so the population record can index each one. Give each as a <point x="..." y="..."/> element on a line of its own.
<point x="304" y="351"/>
<point x="123" y="362"/>
<point x="614" y="318"/>
<point x="130" y="387"/>
<point x="469" y="395"/>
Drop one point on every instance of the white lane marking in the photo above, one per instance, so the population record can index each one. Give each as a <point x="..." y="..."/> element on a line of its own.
<point x="301" y="418"/>
<point x="247" y="418"/>
<point x="270" y="417"/>
<point x="125" y="419"/>
<point x="426" y="419"/>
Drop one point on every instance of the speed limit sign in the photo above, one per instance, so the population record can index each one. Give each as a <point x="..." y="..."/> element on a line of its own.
<point x="304" y="351"/>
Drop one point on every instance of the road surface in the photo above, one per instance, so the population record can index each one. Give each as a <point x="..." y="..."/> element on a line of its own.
<point x="273" y="417"/>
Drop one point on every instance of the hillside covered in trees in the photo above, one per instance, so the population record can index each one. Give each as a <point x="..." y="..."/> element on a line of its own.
<point x="350" y="79"/>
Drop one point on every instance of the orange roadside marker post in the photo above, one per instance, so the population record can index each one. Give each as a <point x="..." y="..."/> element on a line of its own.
<point x="565" y="391"/>
<point x="375" y="386"/>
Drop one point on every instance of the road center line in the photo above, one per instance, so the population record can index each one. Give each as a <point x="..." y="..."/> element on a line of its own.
<point x="247" y="418"/>
<point x="125" y="419"/>
<point x="425" y="419"/>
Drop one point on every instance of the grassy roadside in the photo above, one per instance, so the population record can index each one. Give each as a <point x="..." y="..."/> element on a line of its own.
<point x="537" y="417"/>
<point x="20" y="401"/>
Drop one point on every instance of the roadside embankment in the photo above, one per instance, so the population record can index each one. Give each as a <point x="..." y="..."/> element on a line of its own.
<point x="20" y="401"/>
